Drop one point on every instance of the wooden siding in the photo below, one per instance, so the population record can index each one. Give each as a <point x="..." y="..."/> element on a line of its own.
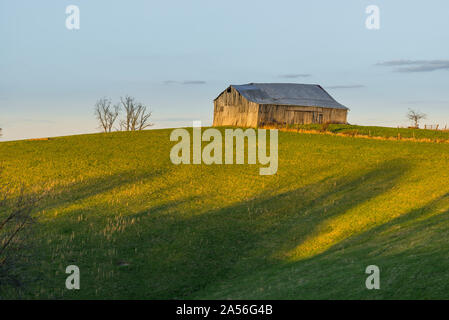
<point x="232" y="109"/>
<point x="280" y="114"/>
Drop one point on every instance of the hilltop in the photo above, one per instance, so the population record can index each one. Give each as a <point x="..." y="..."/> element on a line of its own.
<point x="140" y="227"/>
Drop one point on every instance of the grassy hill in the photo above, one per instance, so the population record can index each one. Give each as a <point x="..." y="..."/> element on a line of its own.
<point x="140" y="227"/>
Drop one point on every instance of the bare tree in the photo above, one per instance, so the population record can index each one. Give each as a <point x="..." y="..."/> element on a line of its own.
<point x="106" y="114"/>
<point x="15" y="218"/>
<point x="136" y="115"/>
<point x="415" y="116"/>
<point x="128" y="105"/>
<point x="143" y="121"/>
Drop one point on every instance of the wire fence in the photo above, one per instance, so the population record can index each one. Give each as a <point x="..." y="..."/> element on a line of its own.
<point x="436" y="127"/>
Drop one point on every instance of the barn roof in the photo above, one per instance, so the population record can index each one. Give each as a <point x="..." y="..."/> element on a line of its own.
<point x="308" y="95"/>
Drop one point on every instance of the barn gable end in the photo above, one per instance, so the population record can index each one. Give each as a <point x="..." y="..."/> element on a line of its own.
<point x="258" y="104"/>
<point x="232" y="109"/>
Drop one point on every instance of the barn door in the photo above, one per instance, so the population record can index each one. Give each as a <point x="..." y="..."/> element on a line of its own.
<point x="317" y="117"/>
<point x="303" y="117"/>
<point x="290" y="117"/>
<point x="300" y="117"/>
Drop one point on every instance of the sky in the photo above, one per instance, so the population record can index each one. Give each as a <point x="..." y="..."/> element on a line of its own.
<point x="177" y="56"/>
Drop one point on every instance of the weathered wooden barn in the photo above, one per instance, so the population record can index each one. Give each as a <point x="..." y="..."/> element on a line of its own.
<point x="276" y="104"/>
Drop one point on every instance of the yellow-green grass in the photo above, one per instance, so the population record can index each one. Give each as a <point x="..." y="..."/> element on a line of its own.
<point x="140" y="227"/>
<point x="381" y="132"/>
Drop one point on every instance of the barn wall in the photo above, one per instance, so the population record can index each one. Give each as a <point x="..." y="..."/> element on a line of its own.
<point x="335" y="115"/>
<point x="281" y="114"/>
<point x="232" y="109"/>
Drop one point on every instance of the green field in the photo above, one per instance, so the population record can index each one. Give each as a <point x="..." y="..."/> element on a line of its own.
<point x="140" y="227"/>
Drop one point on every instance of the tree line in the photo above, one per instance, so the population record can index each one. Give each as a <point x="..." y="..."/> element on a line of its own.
<point x="135" y="116"/>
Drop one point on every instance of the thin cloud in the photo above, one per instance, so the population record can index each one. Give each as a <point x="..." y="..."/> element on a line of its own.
<point x="194" y="82"/>
<point x="170" y="82"/>
<point x="416" y="65"/>
<point x="294" y="75"/>
<point x="187" y="82"/>
<point x="350" y="86"/>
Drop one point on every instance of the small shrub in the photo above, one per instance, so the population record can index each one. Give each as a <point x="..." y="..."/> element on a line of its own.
<point x="351" y="133"/>
<point x="325" y="127"/>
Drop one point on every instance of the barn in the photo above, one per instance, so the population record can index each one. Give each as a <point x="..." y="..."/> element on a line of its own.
<point x="276" y="104"/>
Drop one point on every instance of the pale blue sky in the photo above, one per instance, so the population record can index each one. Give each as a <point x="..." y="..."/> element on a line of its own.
<point x="176" y="56"/>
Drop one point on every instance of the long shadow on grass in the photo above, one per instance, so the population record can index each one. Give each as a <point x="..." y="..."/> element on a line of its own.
<point x="186" y="255"/>
<point x="417" y="224"/>
<point x="61" y="196"/>
<point x="81" y="190"/>
<point x="411" y="252"/>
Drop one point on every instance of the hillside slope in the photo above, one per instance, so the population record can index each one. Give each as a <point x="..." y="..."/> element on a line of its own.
<point x="140" y="227"/>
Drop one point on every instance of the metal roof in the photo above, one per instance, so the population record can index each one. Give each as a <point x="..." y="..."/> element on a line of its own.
<point x="308" y="95"/>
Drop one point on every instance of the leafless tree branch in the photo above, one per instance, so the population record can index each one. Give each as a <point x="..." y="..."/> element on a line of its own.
<point x="15" y="217"/>
<point x="415" y="116"/>
<point x="136" y="115"/>
<point x="106" y="114"/>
